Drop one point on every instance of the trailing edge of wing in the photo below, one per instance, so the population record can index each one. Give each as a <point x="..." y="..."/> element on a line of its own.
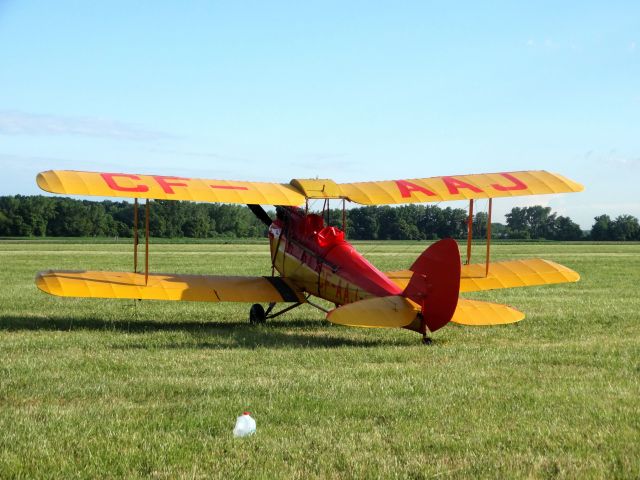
<point x="161" y="187"/>
<point x="377" y="312"/>
<point x="203" y="288"/>
<point x="507" y="274"/>
<point x="458" y="187"/>
<point x="477" y="313"/>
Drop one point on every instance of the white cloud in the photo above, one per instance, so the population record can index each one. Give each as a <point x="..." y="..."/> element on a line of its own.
<point x="21" y="123"/>
<point x="613" y="158"/>
<point x="624" y="162"/>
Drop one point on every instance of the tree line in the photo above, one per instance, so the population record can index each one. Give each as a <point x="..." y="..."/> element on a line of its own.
<point x="39" y="216"/>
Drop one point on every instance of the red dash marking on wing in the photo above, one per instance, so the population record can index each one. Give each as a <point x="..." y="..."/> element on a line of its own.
<point x="406" y="187"/>
<point x="454" y="185"/>
<point x="229" y="187"/>
<point x="517" y="184"/>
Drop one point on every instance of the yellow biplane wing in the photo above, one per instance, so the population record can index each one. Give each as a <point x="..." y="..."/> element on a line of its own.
<point x="458" y="187"/>
<point x="203" y="288"/>
<point x="434" y="189"/>
<point x="163" y="187"/>
<point x="507" y="274"/>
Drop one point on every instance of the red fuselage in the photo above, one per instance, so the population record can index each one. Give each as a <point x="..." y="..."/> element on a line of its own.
<point x="320" y="261"/>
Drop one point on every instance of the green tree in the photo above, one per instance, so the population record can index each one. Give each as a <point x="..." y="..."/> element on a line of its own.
<point x="453" y="223"/>
<point x="429" y="224"/>
<point x="625" y="227"/>
<point x="480" y="225"/>
<point x="601" y="229"/>
<point x="362" y="223"/>
<point x="563" y="228"/>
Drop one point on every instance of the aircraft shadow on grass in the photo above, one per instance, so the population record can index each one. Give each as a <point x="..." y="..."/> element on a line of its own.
<point x="207" y="335"/>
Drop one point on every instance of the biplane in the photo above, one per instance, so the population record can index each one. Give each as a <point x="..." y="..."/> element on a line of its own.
<point x="311" y="259"/>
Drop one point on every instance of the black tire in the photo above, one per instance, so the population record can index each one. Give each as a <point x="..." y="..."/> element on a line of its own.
<point x="256" y="314"/>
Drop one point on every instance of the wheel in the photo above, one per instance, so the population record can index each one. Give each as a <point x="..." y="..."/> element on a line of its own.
<point x="256" y="314"/>
<point x="426" y="340"/>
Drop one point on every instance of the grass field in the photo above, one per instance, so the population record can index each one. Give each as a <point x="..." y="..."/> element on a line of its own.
<point x="99" y="388"/>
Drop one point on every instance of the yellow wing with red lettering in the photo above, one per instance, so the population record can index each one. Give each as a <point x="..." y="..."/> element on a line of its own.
<point x="507" y="274"/>
<point x="202" y="288"/>
<point x="458" y="187"/>
<point x="163" y="187"/>
<point x="434" y="189"/>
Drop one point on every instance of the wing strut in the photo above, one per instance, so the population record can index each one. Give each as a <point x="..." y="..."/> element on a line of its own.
<point x="146" y="244"/>
<point x="259" y="212"/>
<point x="469" y="231"/>
<point x="344" y="216"/>
<point x="486" y="273"/>
<point x="135" y="235"/>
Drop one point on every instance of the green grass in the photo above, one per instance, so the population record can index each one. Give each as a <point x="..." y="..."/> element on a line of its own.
<point x="101" y="388"/>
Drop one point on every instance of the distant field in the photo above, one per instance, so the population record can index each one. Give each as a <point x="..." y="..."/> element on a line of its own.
<point x="100" y="388"/>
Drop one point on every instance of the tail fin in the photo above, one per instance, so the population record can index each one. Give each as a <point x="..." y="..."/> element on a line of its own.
<point x="435" y="283"/>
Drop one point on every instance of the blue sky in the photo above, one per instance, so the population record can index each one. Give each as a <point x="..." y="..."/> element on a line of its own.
<point x="346" y="90"/>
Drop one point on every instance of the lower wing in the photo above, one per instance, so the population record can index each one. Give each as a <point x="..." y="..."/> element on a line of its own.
<point x="508" y="274"/>
<point x="203" y="288"/>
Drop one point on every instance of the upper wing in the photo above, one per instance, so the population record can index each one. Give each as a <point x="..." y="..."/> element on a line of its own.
<point x="434" y="189"/>
<point x="507" y="274"/>
<point x="167" y="188"/>
<point x="458" y="187"/>
<point x="203" y="288"/>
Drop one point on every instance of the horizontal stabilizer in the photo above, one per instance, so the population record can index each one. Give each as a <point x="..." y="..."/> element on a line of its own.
<point x="203" y="288"/>
<point x="378" y="312"/>
<point x="477" y="313"/>
<point x="507" y="274"/>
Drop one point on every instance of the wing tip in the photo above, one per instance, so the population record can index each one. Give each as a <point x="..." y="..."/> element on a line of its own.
<point x="43" y="181"/>
<point x="571" y="184"/>
<point x="41" y="282"/>
<point x="571" y="276"/>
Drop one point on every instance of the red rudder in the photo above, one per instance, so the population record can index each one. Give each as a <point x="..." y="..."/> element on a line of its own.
<point x="435" y="283"/>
